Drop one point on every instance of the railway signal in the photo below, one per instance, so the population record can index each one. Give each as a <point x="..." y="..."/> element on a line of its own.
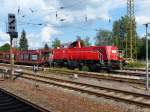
<point x="12" y="27"/>
<point x="12" y="31"/>
<point x="147" y="78"/>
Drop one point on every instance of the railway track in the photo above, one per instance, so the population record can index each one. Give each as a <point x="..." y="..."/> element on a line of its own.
<point x="126" y="72"/>
<point x="136" y="69"/>
<point x="12" y="103"/>
<point x="99" y="91"/>
<point x="100" y="76"/>
<point x="121" y="76"/>
<point x="130" y="72"/>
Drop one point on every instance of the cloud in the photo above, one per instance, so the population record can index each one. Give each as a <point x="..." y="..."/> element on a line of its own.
<point x="142" y="11"/>
<point x="37" y="40"/>
<point x="75" y="11"/>
<point x="4" y="38"/>
<point x="44" y="11"/>
<point x="47" y="33"/>
<point x="142" y="19"/>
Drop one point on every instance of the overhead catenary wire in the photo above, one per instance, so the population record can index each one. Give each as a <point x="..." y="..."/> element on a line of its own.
<point x="57" y="12"/>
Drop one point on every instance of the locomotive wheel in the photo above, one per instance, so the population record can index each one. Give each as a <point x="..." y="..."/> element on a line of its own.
<point x="71" y="67"/>
<point x="56" y="64"/>
<point x="94" y="68"/>
<point x="85" y="68"/>
<point x="91" y="69"/>
<point x="80" y="67"/>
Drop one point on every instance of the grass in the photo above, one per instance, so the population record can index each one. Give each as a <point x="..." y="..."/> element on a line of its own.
<point x="137" y="64"/>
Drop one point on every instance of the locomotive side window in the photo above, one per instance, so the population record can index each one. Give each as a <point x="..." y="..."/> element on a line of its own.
<point x="21" y="56"/>
<point x="1" y="56"/>
<point x="14" y="57"/>
<point x="46" y="54"/>
<point x="7" y="56"/>
<point x="34" y="57"/>
<point x="114" y="51"/>
<point x="26" y="56"/>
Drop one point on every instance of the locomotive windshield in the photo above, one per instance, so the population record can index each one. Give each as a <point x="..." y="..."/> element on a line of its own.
<point x="76" y="44"/>
<point x="73" y="45"/>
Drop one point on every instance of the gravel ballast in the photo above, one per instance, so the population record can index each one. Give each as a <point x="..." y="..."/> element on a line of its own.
<point x="61" y="100"/>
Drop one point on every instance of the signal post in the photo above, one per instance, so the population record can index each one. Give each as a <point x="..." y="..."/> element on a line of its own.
<point x="147" y="63"/>
<point x="12" y="31"/>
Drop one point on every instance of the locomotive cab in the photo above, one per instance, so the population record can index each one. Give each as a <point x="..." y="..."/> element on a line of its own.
<point x="75" y="44"/>
<point x="110" y="57"/>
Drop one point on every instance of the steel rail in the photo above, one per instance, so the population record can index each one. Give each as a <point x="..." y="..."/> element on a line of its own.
<point x="14" y="97"/>
<point x="99" y="76"/>
<point x="128" y="72"/>
<point x="136" y="69"/>
<point x="92" y="89"/>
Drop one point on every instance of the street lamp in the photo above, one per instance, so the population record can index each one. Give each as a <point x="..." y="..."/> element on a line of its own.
<point x="147" y="81"/>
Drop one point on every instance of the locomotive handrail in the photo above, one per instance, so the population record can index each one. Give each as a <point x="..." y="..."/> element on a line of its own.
<point x="101" y="57"/>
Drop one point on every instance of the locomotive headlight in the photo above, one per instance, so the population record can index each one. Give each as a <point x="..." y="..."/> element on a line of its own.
<point x="114" y="51"/>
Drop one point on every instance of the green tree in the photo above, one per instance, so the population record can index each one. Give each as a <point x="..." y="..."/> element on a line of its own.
<point x="56" y="43"/>
<point x="23" y="43"/>
<point x="103" y="37"/>
<point x="141" y="48"/>
<point x="121" y="35"/>
<point x="5" y="47"/>
<point x="46" y="47"/>
<point x="120" y="32"/>
<point x="86" y="41"/>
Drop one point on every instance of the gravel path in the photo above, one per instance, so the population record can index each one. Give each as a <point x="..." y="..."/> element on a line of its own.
<point x="61" y="100"/>
<point x="56" y="100"/>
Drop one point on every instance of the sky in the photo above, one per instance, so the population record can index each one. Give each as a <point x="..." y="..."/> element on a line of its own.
<point x="74" y="18"/>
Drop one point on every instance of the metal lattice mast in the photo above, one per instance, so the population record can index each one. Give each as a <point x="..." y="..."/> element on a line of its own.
<point x="131" y="47"/>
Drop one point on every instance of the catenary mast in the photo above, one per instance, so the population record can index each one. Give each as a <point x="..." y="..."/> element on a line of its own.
<point x="131" y="51"/>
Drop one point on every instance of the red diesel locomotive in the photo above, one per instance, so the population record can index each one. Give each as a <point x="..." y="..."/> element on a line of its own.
<point x="94" y="57"/>
<point x="72" y="56"/>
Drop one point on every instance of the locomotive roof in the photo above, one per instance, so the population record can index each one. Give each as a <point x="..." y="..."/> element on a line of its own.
<point x="41" y="50"/>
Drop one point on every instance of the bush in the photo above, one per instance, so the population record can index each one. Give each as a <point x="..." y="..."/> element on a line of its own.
<point x="85" y="68"/>
<point x="137" y="64"/>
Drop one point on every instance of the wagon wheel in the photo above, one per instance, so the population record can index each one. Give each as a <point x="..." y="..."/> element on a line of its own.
<point x="94" y="68"/>
<point x="80" y="67"/>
